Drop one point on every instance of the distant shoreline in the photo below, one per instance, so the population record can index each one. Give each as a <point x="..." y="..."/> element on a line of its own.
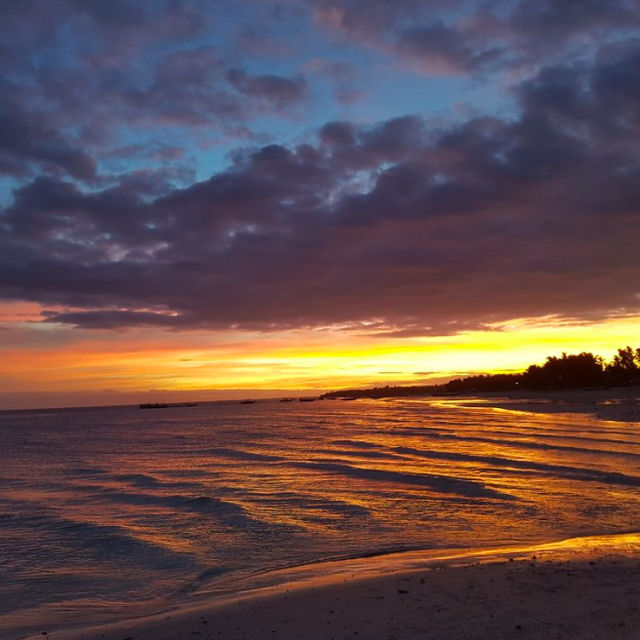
<point x="632" y="390"/>
<point x="544" y="401"/>
<point x="577" y="394"/>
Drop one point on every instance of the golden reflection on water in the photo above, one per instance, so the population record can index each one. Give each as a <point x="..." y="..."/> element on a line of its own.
<point x="402" y="461"/>
<point x="147" y="504"/>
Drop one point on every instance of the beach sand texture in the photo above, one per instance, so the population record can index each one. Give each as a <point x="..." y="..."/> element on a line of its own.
<point x="585" y="589"/>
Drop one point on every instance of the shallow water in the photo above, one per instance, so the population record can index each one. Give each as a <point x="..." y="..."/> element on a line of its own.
<point x="112" y="512"/>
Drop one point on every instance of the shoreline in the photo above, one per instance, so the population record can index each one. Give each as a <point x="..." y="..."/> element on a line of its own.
<point x="621" y="404"/>
<point x="441" y="593"/>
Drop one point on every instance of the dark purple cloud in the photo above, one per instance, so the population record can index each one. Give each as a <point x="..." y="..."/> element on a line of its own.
<point x="28" y="147"/>
<point x="463" y="36"/>
<point x="275" y="90"/>
<point x="79" y="79"/>
<point x="445" y="49"/>
<point x="392" y="226"/>
<point x="402" y="227"/>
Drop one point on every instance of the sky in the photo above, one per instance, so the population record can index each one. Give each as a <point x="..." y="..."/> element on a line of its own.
<point x="248" y="197"/>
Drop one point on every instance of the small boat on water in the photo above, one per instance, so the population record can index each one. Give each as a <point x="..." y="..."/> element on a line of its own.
<point x="248" y="402"/>
<point x="286" y="399"/>
<point x="306" y="399"/>
<point x="166" y="405"/>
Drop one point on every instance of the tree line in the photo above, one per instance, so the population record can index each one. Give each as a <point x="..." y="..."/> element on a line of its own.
<point x="568" y="371"/>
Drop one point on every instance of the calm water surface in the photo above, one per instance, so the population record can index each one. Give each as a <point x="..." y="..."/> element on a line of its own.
<point x="112" y="512"/>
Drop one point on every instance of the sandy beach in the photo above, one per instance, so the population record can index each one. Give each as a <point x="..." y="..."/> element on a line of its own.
<point x="585" y="588"/>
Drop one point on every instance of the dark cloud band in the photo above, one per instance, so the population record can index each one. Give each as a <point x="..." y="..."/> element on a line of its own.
<point x="401" y="227"/>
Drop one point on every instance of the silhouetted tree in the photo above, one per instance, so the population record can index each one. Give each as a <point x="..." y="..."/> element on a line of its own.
<point x="582" y="370"/>
<point x="625" y="368"/>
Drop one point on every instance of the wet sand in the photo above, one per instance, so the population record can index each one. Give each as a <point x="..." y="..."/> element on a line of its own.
<point x="585" y="588"/>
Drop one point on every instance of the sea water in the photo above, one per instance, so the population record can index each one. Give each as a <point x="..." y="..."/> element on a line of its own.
<point x="109" y="513"/>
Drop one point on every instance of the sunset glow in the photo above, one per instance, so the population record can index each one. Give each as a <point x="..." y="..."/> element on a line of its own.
<point x="264" y="197"/>
<point x="124" y="367"/>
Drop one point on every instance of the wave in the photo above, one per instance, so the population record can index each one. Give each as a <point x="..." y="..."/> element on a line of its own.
<point x="144" y="481"/>
<point x="361" y="444"/>
<point x="240" y="454"/>
<point x="86" y="471"/>
<point x="438" y="483"/>
<point x="306" y="503"/>
<point x="226" y="513"/>
<point x="102" y="542"/>
<point x="561" y="434"/>
<point x="562" y="471"/>
<point x="375" y="455"/>
<point x="516" y="443"/>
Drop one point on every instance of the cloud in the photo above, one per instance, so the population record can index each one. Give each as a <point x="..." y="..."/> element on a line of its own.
<point x="194" y="87"/>
<point x="401" y="227"/>
<point x="442" y="49"/>
<point x="28" y="147"/>
<point x="413" y="230"/>
<point x="278" y="91"/>
<point x="462" y="36"/>
<point x="80" y="80"/>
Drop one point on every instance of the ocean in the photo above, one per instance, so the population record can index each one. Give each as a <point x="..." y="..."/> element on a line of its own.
<point x="114" y="512"/>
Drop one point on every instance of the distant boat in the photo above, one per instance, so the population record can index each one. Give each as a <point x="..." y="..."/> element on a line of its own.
<point x="248" y="402"/>
<point x="286" y="399"/>
<point x="306" y="399"/>
<point x="167" y="405"/>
